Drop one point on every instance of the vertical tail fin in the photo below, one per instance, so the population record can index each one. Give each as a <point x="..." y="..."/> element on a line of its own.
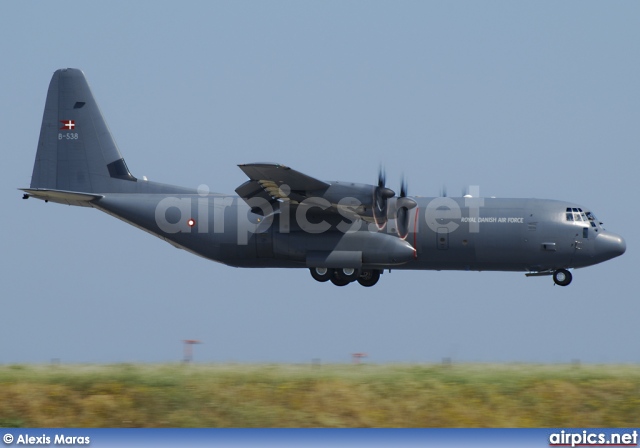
<point x="76" y="151"/>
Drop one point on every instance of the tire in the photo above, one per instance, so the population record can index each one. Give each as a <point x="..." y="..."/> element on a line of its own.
<point x="338" y="281"/>
<point x="337" y="278"/>
<point x="349" y="274"/>
<point x="321" y="274"/>
<point x="562" y="277"/>
<point x="369" y="277"/>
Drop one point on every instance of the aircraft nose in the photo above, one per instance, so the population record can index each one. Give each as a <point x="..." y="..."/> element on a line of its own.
<point x="609" y="245"/>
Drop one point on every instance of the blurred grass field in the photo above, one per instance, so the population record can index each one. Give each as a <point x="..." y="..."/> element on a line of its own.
<point x="366" y="395"/>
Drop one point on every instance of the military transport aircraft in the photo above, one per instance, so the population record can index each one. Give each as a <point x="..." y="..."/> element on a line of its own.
<point x="341" y="231"/>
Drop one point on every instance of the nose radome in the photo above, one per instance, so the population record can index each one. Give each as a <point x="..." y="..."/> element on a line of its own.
<point x="610" y="245"/>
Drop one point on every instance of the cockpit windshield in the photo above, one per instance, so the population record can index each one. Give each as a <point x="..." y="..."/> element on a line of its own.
<point x="575" y="214"/>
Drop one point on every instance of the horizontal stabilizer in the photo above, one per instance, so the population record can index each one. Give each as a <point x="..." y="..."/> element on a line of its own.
<point x="62" y="196"/>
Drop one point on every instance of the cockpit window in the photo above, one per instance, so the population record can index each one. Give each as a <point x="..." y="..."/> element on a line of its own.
<point x="592" y="219"/>
<point x="577" y="215"/>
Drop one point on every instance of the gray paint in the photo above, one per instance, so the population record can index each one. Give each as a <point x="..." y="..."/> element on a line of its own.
<point x="479" y="234"/>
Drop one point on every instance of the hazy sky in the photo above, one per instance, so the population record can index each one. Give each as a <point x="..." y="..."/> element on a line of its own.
<point x="537" y="99"/>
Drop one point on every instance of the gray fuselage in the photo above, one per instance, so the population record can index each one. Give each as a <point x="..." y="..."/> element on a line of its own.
<point x="479" y="234"/>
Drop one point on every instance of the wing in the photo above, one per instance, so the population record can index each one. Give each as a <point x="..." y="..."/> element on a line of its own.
<point x="277" y="183"/>
<point x="282" y="175"/>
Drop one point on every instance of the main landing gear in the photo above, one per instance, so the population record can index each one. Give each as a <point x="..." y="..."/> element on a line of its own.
<point x="344" y="276"/>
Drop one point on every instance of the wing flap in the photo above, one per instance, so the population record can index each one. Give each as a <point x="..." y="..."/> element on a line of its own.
<point x="253" y="189"/>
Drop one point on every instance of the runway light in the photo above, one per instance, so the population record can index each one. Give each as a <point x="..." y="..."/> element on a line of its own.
<point x="191" y="222"/>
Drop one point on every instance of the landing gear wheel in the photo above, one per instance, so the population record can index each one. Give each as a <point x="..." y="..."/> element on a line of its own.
<point x="321" y="274"/>
<point x="337" y="279"/>
<point x="349" y="274"/>
<point x="369" y="277"/>
<point x="562" y="277"/>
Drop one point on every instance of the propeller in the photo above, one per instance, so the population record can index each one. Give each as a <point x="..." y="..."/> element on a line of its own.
<point x="381" y="196"/>
<point x="403" y="205"/>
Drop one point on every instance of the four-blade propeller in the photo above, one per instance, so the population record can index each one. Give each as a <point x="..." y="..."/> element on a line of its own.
<point x="403" y="204"/>
<point x="381" y="196"/>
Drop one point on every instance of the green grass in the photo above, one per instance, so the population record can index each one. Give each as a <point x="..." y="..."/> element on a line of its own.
<point x="474" y="395"/>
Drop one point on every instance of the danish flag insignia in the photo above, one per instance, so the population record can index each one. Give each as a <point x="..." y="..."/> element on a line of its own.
<point x="68" y="124"/>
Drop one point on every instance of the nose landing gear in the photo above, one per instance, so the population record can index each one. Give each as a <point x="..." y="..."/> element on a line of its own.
<point x="562" y="277"/>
